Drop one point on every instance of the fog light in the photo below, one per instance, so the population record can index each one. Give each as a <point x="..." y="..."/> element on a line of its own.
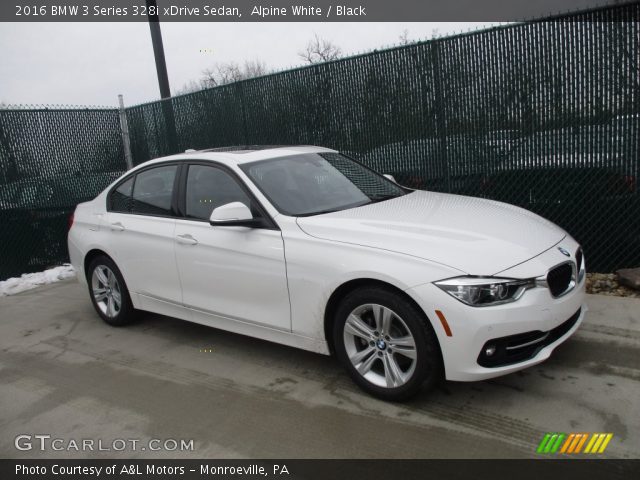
<point x="490" y="350"/>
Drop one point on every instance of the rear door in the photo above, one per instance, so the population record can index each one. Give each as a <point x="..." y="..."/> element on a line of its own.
<point x="141" y="222"/>
<point x="237" y="273"/>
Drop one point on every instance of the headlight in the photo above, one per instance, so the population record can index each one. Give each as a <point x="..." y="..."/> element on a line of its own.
<point x="485" y="291"/>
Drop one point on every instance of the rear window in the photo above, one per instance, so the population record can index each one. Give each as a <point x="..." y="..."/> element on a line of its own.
<point x="148" y="193"/>
<point x="153" y="190"/>
<point x="121" y="197"/>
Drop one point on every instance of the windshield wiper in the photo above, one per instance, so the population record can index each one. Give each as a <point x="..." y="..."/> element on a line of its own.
<point x="331" y="210"/>
<point x="382" y="198"/>
<point x="320" y="212"/>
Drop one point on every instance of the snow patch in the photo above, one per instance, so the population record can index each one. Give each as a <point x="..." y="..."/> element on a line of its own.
<point x="27" y="281"/>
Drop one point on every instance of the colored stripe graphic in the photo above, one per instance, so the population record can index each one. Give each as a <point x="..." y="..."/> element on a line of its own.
<point x="556" y="445"/>
<point x="573" y="443"/>
<point x="598" y="442"/>
<point x="550" y="443"/>
<point x="552" y="439"/>
<point x="606" y="441"/>
<point x="581" y="443"/>
<point x="594" y="437"/>
<point x="567" y="443"/>
<point x="543" y="443"/>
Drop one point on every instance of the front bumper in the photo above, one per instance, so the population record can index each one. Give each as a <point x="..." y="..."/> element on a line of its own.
<point x="536" y="317"/>
<point x="514" y="349"/>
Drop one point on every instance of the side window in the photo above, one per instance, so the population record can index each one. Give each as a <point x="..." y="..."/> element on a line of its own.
<point x="209" y="188"/>
<point x="153" y="190"/>
<point x="121" y="197"/>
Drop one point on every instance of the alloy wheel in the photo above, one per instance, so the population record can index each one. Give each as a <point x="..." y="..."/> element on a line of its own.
<point x="106" y="291"/>
<point x="380" y="345"/>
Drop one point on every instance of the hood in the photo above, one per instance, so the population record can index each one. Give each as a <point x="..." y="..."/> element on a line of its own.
<point x="474" y="235"/>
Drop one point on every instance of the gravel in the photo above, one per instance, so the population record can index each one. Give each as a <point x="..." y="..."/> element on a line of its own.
<point x="607" y="284"/>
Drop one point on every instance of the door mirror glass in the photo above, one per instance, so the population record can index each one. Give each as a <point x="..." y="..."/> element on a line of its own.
<point x="233" y="214"/>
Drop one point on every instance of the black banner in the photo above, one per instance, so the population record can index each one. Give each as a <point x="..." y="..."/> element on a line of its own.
<point x="286" y="10"/>
<point x="533" y="469"/>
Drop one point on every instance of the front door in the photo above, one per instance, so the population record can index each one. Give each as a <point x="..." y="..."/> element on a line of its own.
<point x="238" y="273"/>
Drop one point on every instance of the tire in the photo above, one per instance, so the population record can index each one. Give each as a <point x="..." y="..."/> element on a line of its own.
<point x="388" y="345"/>
<point x="108" y="292"/>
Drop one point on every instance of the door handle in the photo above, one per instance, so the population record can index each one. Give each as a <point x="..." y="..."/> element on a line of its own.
<point x="186" y="239"/>
<point x="117" y="227"/>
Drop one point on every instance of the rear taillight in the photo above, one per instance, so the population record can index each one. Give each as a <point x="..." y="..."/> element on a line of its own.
<point x="71" y="219"/>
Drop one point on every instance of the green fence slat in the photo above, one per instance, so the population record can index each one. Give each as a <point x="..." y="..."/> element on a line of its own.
<point x="544" y="115"/>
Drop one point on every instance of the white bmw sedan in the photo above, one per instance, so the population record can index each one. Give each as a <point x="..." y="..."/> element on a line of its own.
<point x="306" y="247"/>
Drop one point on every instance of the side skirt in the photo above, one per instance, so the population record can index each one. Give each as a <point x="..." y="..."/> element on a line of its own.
<point x="150" y="304"/>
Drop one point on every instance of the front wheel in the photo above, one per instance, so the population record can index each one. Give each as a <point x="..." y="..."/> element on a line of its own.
<point x="386" y="344"/>
<point x="109" y="293"/>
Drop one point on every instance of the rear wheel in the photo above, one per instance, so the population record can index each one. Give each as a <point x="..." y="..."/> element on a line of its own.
<point x="386" y="344"/>
<point x="109" y="293"/>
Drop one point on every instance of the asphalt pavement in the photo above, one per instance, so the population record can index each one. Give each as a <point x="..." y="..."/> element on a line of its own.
<point x="66" y="374"/>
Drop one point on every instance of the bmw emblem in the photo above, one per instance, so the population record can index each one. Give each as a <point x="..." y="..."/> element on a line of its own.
<point x="381" y="344"/>
<point x="564" y="252"/>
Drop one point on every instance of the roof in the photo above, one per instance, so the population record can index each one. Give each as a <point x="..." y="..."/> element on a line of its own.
<point x="243" y="153"/>
<point x="244" y="148"/>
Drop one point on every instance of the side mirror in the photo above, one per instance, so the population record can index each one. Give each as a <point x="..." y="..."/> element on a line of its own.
<point x="388" y="176"/>
<point x="234" y="214"/>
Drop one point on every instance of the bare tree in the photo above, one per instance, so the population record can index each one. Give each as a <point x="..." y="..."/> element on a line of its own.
<point x="223" y="73"/>
<point x="189" y="87"/>
<point x="230" y="72"/>
<point x="319" y="50"/>
<point x="255" y="68"/>
<point x="404" y="37"/>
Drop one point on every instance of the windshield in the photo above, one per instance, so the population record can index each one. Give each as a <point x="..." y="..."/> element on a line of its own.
<point x="314" y="183"/>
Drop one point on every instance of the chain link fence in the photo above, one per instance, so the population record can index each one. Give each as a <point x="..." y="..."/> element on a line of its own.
<point x="544" y="115"/>
<point x="51" y="159"/>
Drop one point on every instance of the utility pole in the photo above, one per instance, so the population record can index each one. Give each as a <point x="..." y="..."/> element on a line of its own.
<point x="163" y="78"/>
<point x="158" y="49"/>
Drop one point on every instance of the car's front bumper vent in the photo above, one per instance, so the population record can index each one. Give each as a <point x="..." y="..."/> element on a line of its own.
<point x="523" y="346"/>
